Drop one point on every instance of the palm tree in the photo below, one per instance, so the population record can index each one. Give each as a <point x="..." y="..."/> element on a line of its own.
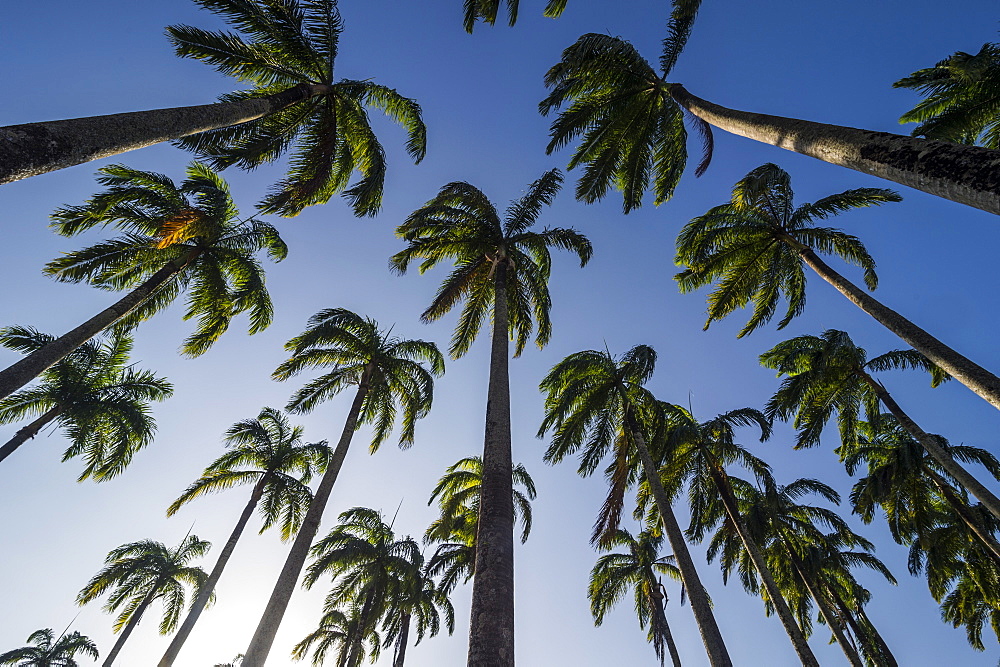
<point x="387" y="371"/>
<point x="504" y="267"/>
<point x="177" y="237"/>
<point x="288" y="60"/>
<point x="829" y="373"/>
<point x="416" y="603"/>
<point x="962" y="102"/>
<point x="139" y="573"/>
<point x="98" y="399"/>
<point x="336" y="629"/>
<point x="50" y="651"/>
<point x="486" y="11"/>
<point x="614" y="573"/>
<point x="754" y="248"/>
<point x="268" y="453"/>
<point x="598" y="403"/>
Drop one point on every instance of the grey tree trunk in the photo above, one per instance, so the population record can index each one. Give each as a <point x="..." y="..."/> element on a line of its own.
<point x="263" y="637"/>
<point x="969" y="373"/>
<point x="966" y="174"/>
<point x="205" y="593"/>
<point x="404" y="636"/>
<point x="491" y="628"/>
<point x="27" y="369"/>
<point x="869" y="629"/>
<point x="658" y="615"/>
<point x="129" y="627"/>
<point x="960" y="508"/>
<point x="27" y="432"/>
<point x="36" y="148"/>
<point x="354" y="657"/>
<point x="701" y="607"/>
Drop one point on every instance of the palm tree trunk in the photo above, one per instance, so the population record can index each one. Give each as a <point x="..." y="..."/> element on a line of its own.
<point x="701" y="607"/>
<point x="36" y="148"/>
<point x="966" y="174"/>
<point x="263" y="637"/>
<point x="354" y="657"/>
<point x="951" y="466"/>
<point x="969" y="373"/>
<point x="491" y="628"/>
<point x="30" y="431"/>
<point x="27" y="369"/>
<point x="878" y="653"/>
<point x="404" y="636"/>
<point x="659" y="616"/>
<point x="888" y="659"/>
<point x="129" y="627"/>
<point x="206" y="590"/>
<point x="962" y="510"/>
<point x="792" y="628"/>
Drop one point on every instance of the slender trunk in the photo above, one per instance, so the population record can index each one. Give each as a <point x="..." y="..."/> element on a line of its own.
<point x="36" y="148"/>
<point x="404" y="636"/>
<point x="354" y="657"/>
<point x="30" y="431"/>
<point x="966" y="174"/>
<point x="887" y="657"/>
<point x="27" y="369"/>
<point x="659" y="616"/>
<point x="792" y="628"/>
<point x="263" y="637"/>
<point x="951" y="466"/>
<point x="701" y="607"/>
<point x="491" y="628"/>
<point x="962" y="510"/>
<point x="871" y="650"/>
<point x="129" y="627"/>
<point x="206" y="590"/>
<point x="966" y="371"/>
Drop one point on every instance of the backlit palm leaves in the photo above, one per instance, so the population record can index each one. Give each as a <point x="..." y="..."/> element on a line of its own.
<point x="281" y="44"/>
<point x="487" y="10"/>
<point x="50" y="651"/>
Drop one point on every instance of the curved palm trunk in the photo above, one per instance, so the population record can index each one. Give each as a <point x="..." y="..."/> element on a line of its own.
<point x="404" y="636"/>
<point x="869" y="630"/>
<point x="491" y="628"/>
<point x="129" y="627"/>
<point x="962" y="510"/>
<point x="784" y="614"/>
<point x="30" y="431"/>
<point x="36" y="148"/>
<point x="206" y="590"/>
<point x="965" y="174"/>
<point x="263" y="637"/>
<point x="658" y="616"/>
<point x="969" y="373"/>
<point x="27" y="369"/>
<point x="718" y="655"/>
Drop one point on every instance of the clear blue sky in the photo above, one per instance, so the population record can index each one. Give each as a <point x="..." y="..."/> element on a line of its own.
<point x="830" y="62"/>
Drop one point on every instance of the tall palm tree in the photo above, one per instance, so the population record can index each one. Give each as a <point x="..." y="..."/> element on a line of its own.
<point x="829" y="373"/>
<point x="387" y="371"/>
<point x="754" y="247"/>
<point x="94" y="395"/>
<point x="137" y="574"/>
<point x="419" y="602"/>
<point x="286" y="53"/>
<point x="268" y="453"/>
<point x="335" y="631"/>
<point x="176" y="238"/>
<point x="50" y="651"/>
<point x="614" y="573"/>
<point x="503" y="267"/>
<point x="597" y="405"/>
<point x="487" y="10"/>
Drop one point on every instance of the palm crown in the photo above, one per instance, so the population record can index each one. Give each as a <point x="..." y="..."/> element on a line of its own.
<point x="50" y="651"/>
<point x="487" y="10"/>
<point x="286" y="43"/>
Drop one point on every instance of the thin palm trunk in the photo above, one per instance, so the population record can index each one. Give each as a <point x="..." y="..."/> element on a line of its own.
<point x="263" y="638"/>
<point x="962" y="510"/>
<point x="129" y="627"/>
<point x="36" y="148"/>
<point x="966" y="174"/>
<point x="30" y="431"/>
<point x="404" y="636"/>
<point x="354" y="657"/>
<point x="658" y="615"/>
<point x="715" y="646"/>
<point x="205" y="593"/>
<point x="491" y="628"/>
<point x="869" y="630"/>
<point x="792" y="628"/>
<point x="27" y="369"/>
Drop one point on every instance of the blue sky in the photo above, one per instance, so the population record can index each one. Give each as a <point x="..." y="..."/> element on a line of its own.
<point x="829" y="62"/>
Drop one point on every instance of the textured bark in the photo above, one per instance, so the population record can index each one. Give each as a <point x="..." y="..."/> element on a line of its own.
<point x="969" y="373"/>
<point x="659" y="615"/>
<point x="206" y="591"/>
<point x="718" y="655"/>
<point x="129" y="627"/>
<point x="27" y="369"/>
<point x="36" y="148"/>
<point x="404" y="636"/>
<point x="965" y="174"/>
<point x="784" y="614"/>
<point x="962" y="510"/>
<point x="30" y="431"/>
<point x="263" y="637"/>
<point x="491" y="628"/>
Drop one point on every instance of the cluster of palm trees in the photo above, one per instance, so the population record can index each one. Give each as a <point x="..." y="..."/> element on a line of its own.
<point x="629" y="124"/>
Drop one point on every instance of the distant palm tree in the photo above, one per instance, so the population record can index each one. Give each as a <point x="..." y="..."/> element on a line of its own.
<point x="419" y="602"/>
<point x="141" y="572"/>
<point x="176" y="238"/>
<point x="486" y="11"/>
<point x="387" y="371"/>
<point x="267" y="452"/>
<point x="50" y="651"/>
<point x="335" y="633"/>
<point x="502" y="269"/>
<point x="93" y="394"/>
<point x="615" y="573"/>
<point x="289" y="62"/>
